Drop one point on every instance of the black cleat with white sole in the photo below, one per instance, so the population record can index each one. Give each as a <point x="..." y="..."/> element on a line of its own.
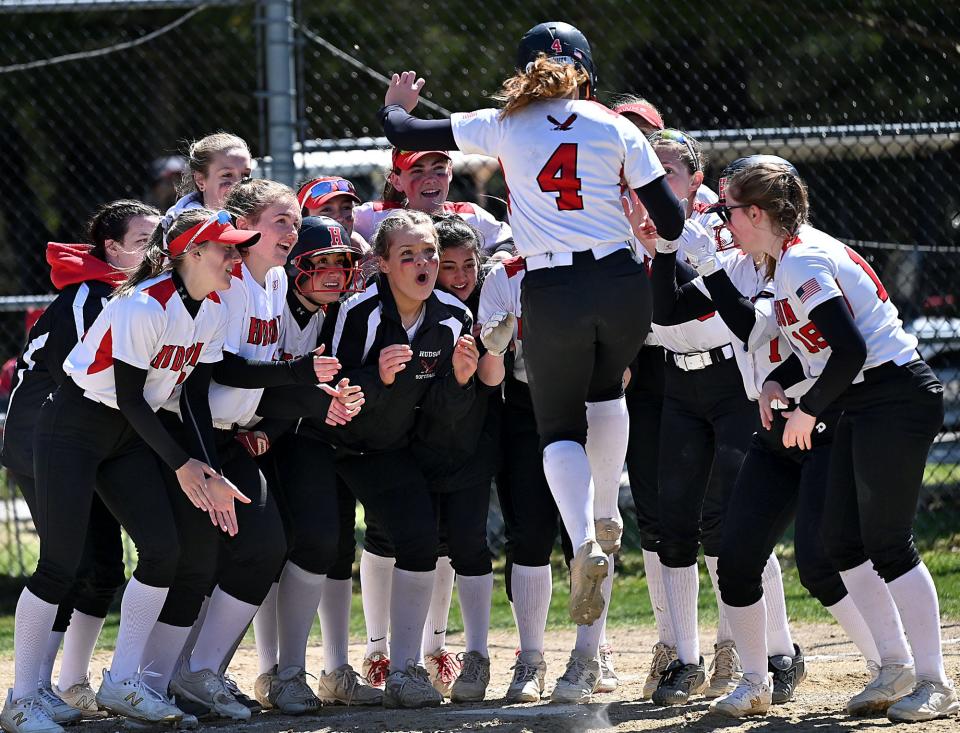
<point x="788" y="673"/>
<point x="678" y="682"/>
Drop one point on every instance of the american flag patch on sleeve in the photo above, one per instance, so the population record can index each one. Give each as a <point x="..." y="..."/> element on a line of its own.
<point x="808" y="289"/>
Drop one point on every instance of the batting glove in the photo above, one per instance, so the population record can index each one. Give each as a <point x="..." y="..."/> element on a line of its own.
<point x="497" y="333"/>
<point x="255" y="441"/>
<point x="701" y="251"/>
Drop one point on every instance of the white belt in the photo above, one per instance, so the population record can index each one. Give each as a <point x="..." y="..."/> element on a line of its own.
<point x="229" y="426"/>
<point x="701" y="359"/>
<point x="565" y="259"/>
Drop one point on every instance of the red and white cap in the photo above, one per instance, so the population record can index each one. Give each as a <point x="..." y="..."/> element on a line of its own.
<point x="218" y="228"/>
<point x="403" y="159"/>
<point x="643" y="110"/>
<point x="315" y="193"/>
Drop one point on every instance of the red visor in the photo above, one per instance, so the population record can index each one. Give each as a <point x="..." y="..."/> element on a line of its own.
<point x="644" y="111"/>
<point x="218" y="228"/>
<point x="316" y="193"/>
<point x="403" y="159"/>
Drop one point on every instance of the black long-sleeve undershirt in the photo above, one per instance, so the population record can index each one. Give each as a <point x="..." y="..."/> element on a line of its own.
<point x="196" y="417"/>
<point x="411" y="133"/>
<point x="676" y="299"/>
<point x="848" y="352"/>
<point x="130" y="382"/>
<point x="236" y="371"/>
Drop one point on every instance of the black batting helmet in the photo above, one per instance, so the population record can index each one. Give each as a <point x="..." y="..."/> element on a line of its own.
<point x="559" y="41"/>
<point x="323" y="235"/>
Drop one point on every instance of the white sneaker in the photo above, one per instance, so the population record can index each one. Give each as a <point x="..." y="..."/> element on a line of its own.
<point x="873" y="670"/>
<point x="27" y="715"/>
<point x="375" y="669"/>
<point x="609" y="681"/>
<point x="82" y="697"/>
<point x="343" y="686"/>
<point x="528" y="678"/>
<point x="726" y="670"/>
<point x="928" y="701"/>
<point x="609" y="534"/>
<point x="587" y="571"/>
<point x="207" y="688"/>
<point x="579" y="681"/>
<point x="290" y="693"/>
<point x="753" y="695"/>
<point x="134" y="698"/>
<point x="443" y="668"/>
<point x="59" y="710"/>
<point x="471" y="683"/>
<point x="893" y="682"/>
<point x="410" y="688"/>
<point x="663" y="654"/>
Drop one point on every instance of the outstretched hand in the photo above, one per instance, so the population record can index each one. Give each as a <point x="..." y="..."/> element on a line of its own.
<point x="404" y="89"/>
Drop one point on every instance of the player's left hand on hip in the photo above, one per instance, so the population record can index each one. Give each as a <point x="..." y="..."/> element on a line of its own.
<point x="798" y="430"/>
<point x="404" y="89"/>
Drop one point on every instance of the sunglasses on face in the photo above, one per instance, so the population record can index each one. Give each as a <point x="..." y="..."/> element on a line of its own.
<point x="675" y="136"/>
<point x="723" y="211"/>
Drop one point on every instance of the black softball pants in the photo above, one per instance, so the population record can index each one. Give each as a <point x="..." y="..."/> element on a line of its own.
<point x="876" y="470"/>
<point x="778" y="485"/>
<point x="100" y="573"/>
<point x="243" y="566"/>
<point x="82" y="448"/>
<point x="395" y="495"/>
<point x="582" y="326"/>
<point x="530" y="514"/>
<point x="645" y="407"/>
<point x="706" y="429"/>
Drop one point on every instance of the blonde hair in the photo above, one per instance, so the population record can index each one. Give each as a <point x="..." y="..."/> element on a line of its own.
<point x="251" y="197"/>
<point x="156" y="259"/>
<point x="543" y="79"/>
<point x="402" y="219"/>
<point x="200" y="155"/>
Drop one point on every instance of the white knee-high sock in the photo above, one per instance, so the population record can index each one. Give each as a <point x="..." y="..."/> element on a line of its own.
<point x="779" y="640"/>
<point x="78" y="645"/>
<point x="376" y="580"/>
<point x="724" y="632"/>
<point x="50" y="657"/>
<point x="162" y="651"/>
<point x="435" y="628"/>
<point x="658" y="598"/>
<point x="873" y="600"/>
<point x="265" y="632"/>
<point x="32" y="626"/>
<point x="227" y="617"/>
<point x="567" y="469"/>
<point x="476" y="594"/>
<point x="297" y="600"/>
<point x="682" y="586"/>
<point x="335" y="621"/>
<point x="916" y="599"/>
<point x="847" y="614"/>
<point x="191" y="641"/>
<point x="749" y="624"/>
<point x="589" y="637"/>
<point x="409" y="603"/>
<point x="139" y="611"/>
<point x="532" y="589"/>
<point x="608" y="430"/>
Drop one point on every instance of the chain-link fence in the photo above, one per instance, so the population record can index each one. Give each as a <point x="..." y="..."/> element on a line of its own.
<point x="862" y="95"/>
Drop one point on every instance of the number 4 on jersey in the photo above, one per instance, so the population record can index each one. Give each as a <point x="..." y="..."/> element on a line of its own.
<point x="559" y="175"/>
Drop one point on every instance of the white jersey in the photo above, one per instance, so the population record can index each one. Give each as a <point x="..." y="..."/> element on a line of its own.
<point x="150" y="329"/>
<point x="501" y="292"/>
<point x="367" y="217"/>
<point x="814" y="268"/>
<point x="565" y="162"/>
<point x="296" y="340"/>
<point x="254" y="330"/>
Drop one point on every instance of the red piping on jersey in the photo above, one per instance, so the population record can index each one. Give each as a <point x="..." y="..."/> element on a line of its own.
<point x="513" y="266"/>
<point x="790" y="243"/>
<point x="72" y="263"/>
<point x="162" y="291"/>
<point x="103" y="359"/>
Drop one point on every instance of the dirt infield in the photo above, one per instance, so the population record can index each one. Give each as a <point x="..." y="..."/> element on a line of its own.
<point x="834" y="674"/>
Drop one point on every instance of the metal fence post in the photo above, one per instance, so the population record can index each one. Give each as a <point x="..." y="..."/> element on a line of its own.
<point x="280" y="90"/>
